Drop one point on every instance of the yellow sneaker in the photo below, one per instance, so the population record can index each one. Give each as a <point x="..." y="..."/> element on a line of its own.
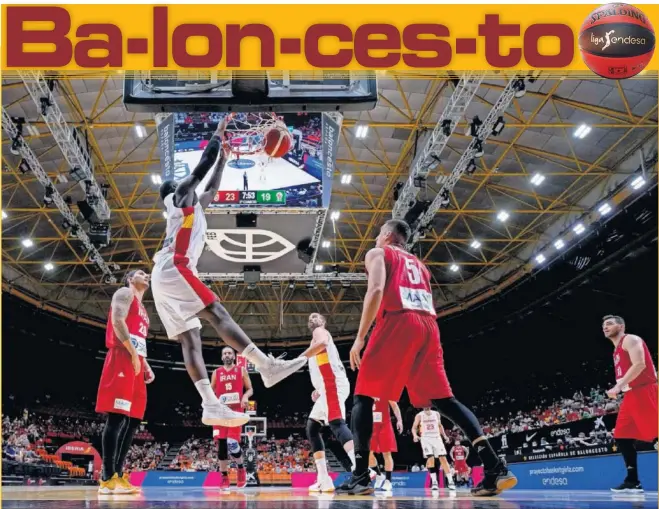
<point x="123" y="487"/>
<point x="125" y="478"/>
<point x="108" y="487"/>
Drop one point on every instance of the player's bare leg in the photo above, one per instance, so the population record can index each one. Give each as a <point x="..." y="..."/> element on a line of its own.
<point x="272" y="370"/>
<point x="374" y="470"/>
<point x="214" y="412"/>
<point x="447" y="471"/>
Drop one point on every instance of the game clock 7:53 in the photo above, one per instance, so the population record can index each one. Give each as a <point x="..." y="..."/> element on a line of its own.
<point x="274" y="197"/>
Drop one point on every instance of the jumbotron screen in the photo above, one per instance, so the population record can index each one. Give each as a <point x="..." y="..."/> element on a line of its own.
<point x="294" y="180"/>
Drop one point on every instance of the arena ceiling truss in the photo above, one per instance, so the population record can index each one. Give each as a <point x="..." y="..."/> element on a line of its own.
<point x="470" y="251"/>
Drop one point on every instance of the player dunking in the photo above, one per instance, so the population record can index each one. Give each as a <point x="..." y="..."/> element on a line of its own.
<point x="433" y="448"/>
<point x="122" y="388"/>
<point x="404" y="351"/>
<point x="181" y="298"/>
<point x="636" y="379"/>
<point x="234" y="388"/>
<point x="332" y="388"/>
<point x="383" y="441"/>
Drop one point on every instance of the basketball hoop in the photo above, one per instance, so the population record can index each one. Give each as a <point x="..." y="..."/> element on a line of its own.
<point x="245" y="132"/>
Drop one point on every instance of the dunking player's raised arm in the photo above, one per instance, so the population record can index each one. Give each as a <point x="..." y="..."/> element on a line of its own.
<point x="377" y="279"/>
<point x="248" y="388"/>
<point x="185" y="194"/>
<point x="121" y="301"/>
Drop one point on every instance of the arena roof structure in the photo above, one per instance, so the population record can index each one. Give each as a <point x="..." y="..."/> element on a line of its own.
<point x="555" y="151"/>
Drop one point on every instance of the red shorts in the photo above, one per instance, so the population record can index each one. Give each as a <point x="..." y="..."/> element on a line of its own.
<point x="120" y="391"/>
<point x="404" y="351"/>
<point x="224" y="432"/>
<point x="383" y="438"/>
<point x="637" y="417"/>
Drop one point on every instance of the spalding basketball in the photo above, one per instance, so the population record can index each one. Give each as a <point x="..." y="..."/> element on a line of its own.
<point x="617" y="41"/>
<point x="277" y="142"/>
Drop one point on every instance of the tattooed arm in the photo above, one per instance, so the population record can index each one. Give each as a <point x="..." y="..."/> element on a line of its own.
<point x="121" y="302"/>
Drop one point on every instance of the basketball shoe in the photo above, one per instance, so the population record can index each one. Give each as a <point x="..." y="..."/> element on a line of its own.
<point x="218" y="414"/>
<point x="494" y="482"/>
<point x="277" y="369"/>
<point x="242" y="478"/>
<point x="124" y="482"/>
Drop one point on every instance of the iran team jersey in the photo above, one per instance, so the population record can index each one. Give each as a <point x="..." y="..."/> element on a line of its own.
<point x="229" y="385"/>
<point x="622" y="363"/>
<point x="429" y="425"/>
<point x="326" y="369"/>
<point x="459" y="453"/>
<point x="185" y="235"/>
<point x="408" y="284"/>
<point x="381" y="414"/>
<point x="137" y="322"/>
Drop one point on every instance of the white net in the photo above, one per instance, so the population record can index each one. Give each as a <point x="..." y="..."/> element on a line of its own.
<point x="246" y="131"/>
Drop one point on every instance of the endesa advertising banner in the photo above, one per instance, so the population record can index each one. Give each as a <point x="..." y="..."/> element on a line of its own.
<point x="598" y="473"/>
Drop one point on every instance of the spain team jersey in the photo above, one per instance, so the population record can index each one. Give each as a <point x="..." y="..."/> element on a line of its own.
<point x="185" y="235"/>
<point x="326" y="369"/>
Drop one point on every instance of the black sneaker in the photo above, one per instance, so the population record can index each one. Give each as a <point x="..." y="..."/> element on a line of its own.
<point x="357" y="485"/>
<point x="494" y="482"/>
<point x="628" y="487"/>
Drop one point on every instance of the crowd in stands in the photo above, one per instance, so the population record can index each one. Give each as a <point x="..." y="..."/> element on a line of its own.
<point x="145" y="456"/>
<point x="273" y="456"/>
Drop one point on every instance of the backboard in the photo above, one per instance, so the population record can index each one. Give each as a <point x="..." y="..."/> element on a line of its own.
<point x="225" y="91"/>
<point x="267" y="219"/>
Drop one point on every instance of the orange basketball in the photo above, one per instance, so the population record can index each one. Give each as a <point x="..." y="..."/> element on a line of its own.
<point x="277" y="142"/>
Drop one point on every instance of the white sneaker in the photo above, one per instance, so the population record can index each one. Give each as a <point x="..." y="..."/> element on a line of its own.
<point x="327" y="485"/>
<point x="435" y="487"/>
<point x="315" y="487"/>
<point x="277" y="369"/>
<point x="379" y="481"/>
<point x="451" y="486"/>
<point x="372" y="474"/>
<point x="387" y="486"/>
<point x="221" y="415"/>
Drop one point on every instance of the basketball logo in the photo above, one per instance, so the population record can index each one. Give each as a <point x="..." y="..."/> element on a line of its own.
<point x="616" y="41"/>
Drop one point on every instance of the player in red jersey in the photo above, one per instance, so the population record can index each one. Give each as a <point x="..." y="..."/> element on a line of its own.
<point x="404" y="351"/>
<point x="233" y="387"/>
<point x="383" y="441"/>
<point x="181" y="298"/>
<point x="122" y="389"/>
<point x="459" y="455"/>
<point x="636" y="378"/>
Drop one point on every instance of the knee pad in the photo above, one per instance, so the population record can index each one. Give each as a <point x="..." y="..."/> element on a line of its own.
<point x="341" y="431"/>
<point x="313" y="434"/>
<point x="222" y="449"/>
<point x="234" y="448"/>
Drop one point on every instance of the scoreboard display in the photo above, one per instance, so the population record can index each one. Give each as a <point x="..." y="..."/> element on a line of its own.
<point x="274" y="197"/>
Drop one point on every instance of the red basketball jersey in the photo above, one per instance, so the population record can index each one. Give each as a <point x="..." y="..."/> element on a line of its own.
<point x="408" y="284"/>
<point x="381" y="415"/>
<point x="229" y="385"/>
<point x="459" y="453"/>
<point x="622" y="363"/>
<point x="138" y="328"/>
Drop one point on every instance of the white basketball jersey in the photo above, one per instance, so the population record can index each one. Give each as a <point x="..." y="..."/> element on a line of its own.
<point x="326" y="368"/>
<point x="430" y="425"/>
<point x="186" y="232"/>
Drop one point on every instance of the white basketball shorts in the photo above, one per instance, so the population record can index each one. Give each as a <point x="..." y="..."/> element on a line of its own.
<point x="332" y="406"/>
<point x="179" y="295"/>
<point x="433" y="447"/>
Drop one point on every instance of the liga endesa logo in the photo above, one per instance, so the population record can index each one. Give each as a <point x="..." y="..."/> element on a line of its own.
<point x="381" y="46"/>
<point x="617" y="41"/>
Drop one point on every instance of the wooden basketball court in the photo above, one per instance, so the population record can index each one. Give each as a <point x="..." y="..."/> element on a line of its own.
<point x="69" y="497"/>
